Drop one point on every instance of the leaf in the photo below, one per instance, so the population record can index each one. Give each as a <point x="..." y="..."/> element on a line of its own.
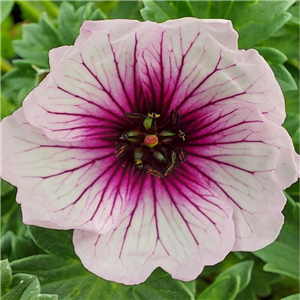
<point x="160" y="11"/>
<point x="254" y="20"/>
<point x="7" y="199"/>
<point x="53" y="241"/>
<point x="282" y="256"/>
<point x="272" y="55"/>
<point x="124" y="10"/>
<point x="285" y="79"/>
<point x="69" y="21"/>
<point x="6" y="276"/>
<point x="71" y="281"/>
<point x="20" y="286"/>
<point x="260" y="283"/>
<point x="292" y="297"/>
<point x="275" y="59"/>
<point x="229" y="283"/>
<point x="6" y="8"/>
<point x="17" y="83"/>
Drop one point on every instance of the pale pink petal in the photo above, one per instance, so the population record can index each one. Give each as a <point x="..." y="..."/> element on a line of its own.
<point x="195" y="66"/>
<point x="173" y="223"/>
<point x="64" y="185"/>
<point x="248" y="160"/>
<point x="91" y="84"/>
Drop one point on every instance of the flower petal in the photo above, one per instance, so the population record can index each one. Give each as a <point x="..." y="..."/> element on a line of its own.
<point x="91" y="84"/>
<point x="173" y="223"/>
<point x="248" y="160"/>
<point x="194" y="66"/>
<point x="64" y="185"/>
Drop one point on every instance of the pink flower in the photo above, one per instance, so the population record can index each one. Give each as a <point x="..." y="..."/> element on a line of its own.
<point x="160" y="144"/>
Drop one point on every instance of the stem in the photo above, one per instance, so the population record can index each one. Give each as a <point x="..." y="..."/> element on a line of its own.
<point x="51" y="8"/>
<point x="5" y="65"/>
<point x="30" y="9"/>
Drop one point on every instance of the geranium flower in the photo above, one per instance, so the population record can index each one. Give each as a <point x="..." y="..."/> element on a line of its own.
<point x="160" y="144"/>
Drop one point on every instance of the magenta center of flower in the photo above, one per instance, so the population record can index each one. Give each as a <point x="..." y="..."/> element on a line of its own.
<point x="153" y="145"/>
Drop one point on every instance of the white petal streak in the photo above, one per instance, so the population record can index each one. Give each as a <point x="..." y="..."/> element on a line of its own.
<point x="168" y="225"/>
<point x="90" y="85"/>
<point x="63" y="185"/>
<point x="248" y="160"/>
<point x="193" y="69"/>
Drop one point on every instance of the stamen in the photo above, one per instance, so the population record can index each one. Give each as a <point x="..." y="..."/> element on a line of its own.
<point x="134" y="116"/>
<point x="175" y="119"/>
<point x="182" y="155"/>
<point x="154" y="172"/>
<point x="171" y="164"/>
<point x="121" y="150"/>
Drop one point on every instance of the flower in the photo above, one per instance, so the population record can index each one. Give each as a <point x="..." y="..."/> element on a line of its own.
<point x="160" y="144"/>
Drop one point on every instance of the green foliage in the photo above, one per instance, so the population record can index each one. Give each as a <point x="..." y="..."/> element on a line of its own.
<point x="20" y="286"/>
<point x="282" y="256"/>
<point x="6" y="8"/>
<point x="229" y="283"/>
<point x="275" y="59"/>
<point x="254" y="20"/>
<point x="71" y="281"/>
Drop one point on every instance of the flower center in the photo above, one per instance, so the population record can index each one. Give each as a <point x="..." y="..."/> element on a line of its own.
<point x="154" y="146"/>
<point x="151" y="140"/>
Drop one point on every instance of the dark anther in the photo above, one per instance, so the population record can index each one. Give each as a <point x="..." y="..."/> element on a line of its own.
<point x="152" y="171"/>
<point x="134" y="116"/>
<point x="124" y="136"/>
<point x="121" y="150"/>
<point x="175" y="119"/>
<point x="182" y="155"/>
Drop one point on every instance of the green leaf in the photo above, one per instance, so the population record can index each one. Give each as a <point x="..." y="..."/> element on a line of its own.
<point x="124" y="10"/>
<point x="160" y="11"/>
<point x="67" y="278"/>
<point x="7" y="200"/>
<point x="260" y="283"/>
<point x="53" y="241"/>
<point x="275" y="59"/>
<point x="292" y="297"/>
<point x="255" y="21"/>
<point x="285" y="79"/>
<point x="6" y="8"/>
<point x="6" y="276"/>
<point x="272" y="55"/>
<point x="282" y="256"/>
<point x="23" y="287"/>
<point x="17" y="83"/>
<point x="229" y="283"/>
<point x="69" y="21"/>
<point x="258" y="20"/>
<point x="36" y="42"/>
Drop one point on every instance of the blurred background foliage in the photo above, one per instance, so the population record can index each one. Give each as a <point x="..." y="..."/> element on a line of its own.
<point x="40" y="263"/>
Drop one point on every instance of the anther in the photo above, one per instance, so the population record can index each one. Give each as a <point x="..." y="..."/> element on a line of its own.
<point x="152" y="171"/>
<point x="175" y="119"/>
<point x="134" y="116"/>
<point x="182" y="155"/>
<point x="121" y="150"/>
<point x="181" y="135"/>
<point x="171" y="164"/>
